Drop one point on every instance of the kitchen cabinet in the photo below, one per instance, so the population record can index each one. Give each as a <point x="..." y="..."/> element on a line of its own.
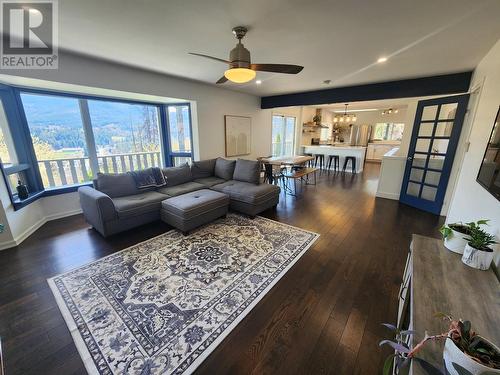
<point x="376" y="151"/>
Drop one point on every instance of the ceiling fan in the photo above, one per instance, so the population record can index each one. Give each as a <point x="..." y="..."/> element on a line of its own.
<point x="241" y="70"/>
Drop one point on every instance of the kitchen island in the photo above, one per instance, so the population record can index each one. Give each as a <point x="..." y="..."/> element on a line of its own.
<point x="359" y="152"/>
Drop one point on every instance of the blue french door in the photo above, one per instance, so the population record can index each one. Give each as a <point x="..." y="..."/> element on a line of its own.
<point x="434" y="140"/>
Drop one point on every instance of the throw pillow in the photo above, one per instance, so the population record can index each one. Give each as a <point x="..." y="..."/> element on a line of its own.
<point x="247" y="171"/>
<point x="116" y="184"/>
<point x="224" y="168"/>
<point x="203" y="168"/>
<point x="178" y="175"/>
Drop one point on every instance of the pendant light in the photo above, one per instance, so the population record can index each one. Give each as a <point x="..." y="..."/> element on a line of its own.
<point x="345" y="117"/>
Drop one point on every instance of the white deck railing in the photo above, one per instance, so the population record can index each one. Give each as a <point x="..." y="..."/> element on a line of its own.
<point x="69" y="171"/>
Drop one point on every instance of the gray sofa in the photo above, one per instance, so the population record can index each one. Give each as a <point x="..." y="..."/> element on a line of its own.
<point x="115" y="204"/>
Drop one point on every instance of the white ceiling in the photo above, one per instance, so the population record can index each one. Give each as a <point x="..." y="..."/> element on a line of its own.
<point x="332" y="39"/>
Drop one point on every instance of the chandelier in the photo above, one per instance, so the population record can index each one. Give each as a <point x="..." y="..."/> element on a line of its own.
<point x="345" y="118"/>
<point x="389" y="111"/>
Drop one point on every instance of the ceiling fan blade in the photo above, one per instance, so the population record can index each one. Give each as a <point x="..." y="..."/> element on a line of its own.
<point x="277" y="68"/>
<point x="222" y="80"/>
<point x="209" y="57"/>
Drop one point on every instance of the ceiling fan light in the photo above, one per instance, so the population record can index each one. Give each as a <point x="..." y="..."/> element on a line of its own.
<point x="239" y="75"/>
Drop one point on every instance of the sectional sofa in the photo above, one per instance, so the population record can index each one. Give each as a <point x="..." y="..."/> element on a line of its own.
<point x="115" y="204"/>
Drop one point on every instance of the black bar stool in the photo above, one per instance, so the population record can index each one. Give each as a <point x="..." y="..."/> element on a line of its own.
<point x="353" y="163"/>
<point x="321" y="159"/>
<point x="336" y="163"/>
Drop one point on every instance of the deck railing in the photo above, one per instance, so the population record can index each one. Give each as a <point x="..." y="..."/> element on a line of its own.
<point x="69" y="171"/>
<point x="277" y="147"/>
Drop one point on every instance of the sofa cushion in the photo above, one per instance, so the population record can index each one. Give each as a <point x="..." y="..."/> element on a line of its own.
<point x="247" y="171"/>
<point x="196" y="203"/>
<point x="138" y="204"/>
<point x="203" y="168"/>
<point x="116" y="184"/>
<point x="247" y="192"/>
<point x="210" y="181"/>
<point x="176" y="190"/>
<point x="178" y="175"/>
<point x="148" y="178"/>
<point x="224" y="168"/>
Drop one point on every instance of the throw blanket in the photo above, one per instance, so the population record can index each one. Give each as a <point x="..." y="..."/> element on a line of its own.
<point x="150" y="177"/>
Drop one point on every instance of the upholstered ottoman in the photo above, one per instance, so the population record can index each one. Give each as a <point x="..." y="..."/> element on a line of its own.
<point x="188" y="211"/>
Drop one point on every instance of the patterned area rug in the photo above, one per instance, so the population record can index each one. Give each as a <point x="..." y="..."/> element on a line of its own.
<point x="161" y="306"/>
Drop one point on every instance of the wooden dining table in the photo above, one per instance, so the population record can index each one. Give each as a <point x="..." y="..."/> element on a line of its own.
<point x="288" y="160"/>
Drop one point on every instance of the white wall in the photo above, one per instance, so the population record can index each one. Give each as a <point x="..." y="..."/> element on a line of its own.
<point x="470" y="200"/>
<point x="209" y="105"/>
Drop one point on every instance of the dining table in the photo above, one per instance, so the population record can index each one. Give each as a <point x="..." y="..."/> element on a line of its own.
<point x="288" y="160"/>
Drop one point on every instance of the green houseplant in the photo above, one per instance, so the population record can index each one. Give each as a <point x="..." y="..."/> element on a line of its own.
<point x="478" y="252"/>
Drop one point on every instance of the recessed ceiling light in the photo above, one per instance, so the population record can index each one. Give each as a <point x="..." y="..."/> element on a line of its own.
<point x="258" y="82"/>
<point x="382" y="59"/>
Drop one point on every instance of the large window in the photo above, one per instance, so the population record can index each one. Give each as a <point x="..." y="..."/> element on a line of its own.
<point x="283" y="135"/>
<point x="74" y="138"/>
<point x="179" y="134"/>
<point x="127" y="136"/>
<point x="388" y="132"/>
<point x="64" y="140"/>
<point x="58" y="139"/>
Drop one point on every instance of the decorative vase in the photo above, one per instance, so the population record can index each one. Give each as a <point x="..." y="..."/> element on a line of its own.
<point x="455" y="242"/>
<point x="475" y="258"/>
<point x="22" y="190"/>
<point x="452" y="354"/>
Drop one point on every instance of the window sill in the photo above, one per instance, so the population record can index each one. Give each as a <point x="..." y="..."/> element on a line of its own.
<point x="18" y="203"/>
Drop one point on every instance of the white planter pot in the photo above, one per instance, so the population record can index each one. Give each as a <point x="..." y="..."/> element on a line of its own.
<point x="455" y="242"/>
<point x="451" y="354"/>
<point x="476" y="258"/>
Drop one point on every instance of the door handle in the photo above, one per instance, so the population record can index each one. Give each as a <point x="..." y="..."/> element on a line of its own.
<point x="410" y="158"/>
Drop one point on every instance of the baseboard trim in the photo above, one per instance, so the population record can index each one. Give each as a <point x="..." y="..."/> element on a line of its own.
<point x="393" y="196"/>
<point x="29" y="231"/>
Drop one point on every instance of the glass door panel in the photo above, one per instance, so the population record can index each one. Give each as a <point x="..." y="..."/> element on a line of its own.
<point x="434" y="140"/>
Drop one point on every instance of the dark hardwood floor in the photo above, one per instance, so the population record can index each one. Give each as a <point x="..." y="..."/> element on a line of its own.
<point x="322" y="317"/>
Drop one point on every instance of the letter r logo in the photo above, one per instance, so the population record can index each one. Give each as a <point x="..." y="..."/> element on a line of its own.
<point x="27" y="27"/>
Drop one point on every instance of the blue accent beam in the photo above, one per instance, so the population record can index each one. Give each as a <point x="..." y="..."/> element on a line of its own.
<point x="435" y="85"/>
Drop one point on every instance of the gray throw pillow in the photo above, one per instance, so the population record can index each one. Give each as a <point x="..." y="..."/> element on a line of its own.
<point x="203" y="168"/>
<point x="247" y="171"/>
<point x="224" y="168"/>
<point x="178" y="175"/>
<point x="116" y="184"/>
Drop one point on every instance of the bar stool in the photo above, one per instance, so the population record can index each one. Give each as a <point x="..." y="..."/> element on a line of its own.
<point x="321" y="159"/>
<point x="353" y="163"/>
<point x="335" y="159"/>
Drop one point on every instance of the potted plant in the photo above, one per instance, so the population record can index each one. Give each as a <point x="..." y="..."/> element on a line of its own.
<point x="465" y="352"/>
<point x="317" y="119"/>
<point x="453" y="236"/>
<point x="478" y="252"/>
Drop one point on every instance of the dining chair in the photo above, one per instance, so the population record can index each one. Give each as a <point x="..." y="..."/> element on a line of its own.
<point x="273" y="173"/>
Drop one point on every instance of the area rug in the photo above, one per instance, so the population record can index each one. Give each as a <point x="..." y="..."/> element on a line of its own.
<point x="161" y="306"/>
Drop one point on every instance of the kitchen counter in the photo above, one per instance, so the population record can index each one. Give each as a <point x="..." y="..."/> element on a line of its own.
<point x="342" y="151"/>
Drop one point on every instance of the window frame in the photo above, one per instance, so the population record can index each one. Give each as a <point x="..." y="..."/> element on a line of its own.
<point x="284" y="133"/>
<point x="10" y="97"/>
<point x="388" y="130"/>
<point x="171" y="155"/>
